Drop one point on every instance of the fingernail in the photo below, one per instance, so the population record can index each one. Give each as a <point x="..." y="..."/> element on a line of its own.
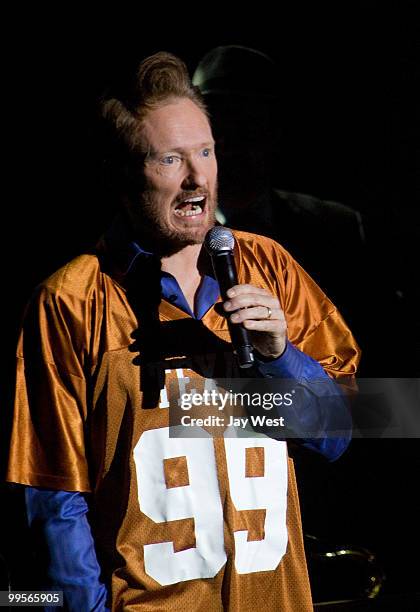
<point x="228" y="304"/>
<point x="235" y="317"/>
<point x="231" y="292"/>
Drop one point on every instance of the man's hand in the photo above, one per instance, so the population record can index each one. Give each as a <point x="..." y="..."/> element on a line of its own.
<point x="260" y="313"/>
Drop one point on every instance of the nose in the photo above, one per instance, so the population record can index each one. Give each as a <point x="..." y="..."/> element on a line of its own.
<point x="195" y="175"/>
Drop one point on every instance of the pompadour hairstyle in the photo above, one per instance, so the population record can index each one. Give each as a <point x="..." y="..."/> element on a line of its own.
<point x="159" y="80"/>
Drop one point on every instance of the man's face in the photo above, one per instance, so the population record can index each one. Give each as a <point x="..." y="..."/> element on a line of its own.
<point x="178" y="201"/>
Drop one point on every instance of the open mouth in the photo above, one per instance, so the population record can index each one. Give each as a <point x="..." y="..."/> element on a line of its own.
<point x="191" y="207"/>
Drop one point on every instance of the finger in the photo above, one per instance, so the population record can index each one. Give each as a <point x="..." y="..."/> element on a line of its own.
<point x="246" y="288"/>
<point x="248" y="300"/>
<point x="265" y="325"/>
<point x="256" y="313"/>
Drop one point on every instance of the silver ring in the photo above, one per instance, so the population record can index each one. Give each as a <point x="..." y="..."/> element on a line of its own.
<point x="269" y="313"/>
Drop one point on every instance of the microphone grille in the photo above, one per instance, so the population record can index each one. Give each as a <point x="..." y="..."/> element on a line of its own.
<point x="219" y="238"/>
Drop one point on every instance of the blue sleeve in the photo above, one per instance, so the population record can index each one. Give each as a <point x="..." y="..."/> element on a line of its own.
<point x="321" y="407"/>
<point x="59" y="519"/>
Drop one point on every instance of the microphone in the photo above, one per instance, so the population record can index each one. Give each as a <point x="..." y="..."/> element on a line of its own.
<point x="219" y="243"/>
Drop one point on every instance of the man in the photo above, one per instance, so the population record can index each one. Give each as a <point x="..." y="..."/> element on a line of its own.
<point x="174" y="523"/>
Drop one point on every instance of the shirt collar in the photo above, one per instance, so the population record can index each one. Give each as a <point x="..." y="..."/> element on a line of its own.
<point x="125" y="251"/>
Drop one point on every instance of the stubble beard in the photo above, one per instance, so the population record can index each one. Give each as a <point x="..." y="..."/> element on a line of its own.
<point x="153" y="226"/>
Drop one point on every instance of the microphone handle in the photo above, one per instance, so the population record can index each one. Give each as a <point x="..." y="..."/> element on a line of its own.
<point x="225" y="271"/>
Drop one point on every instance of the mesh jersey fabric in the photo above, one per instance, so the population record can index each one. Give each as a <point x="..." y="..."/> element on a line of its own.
<point x="200" y="524"/>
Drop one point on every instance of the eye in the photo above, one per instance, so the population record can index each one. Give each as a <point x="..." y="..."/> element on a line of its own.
<point x="206" y="152"/>
<point x="169" y="160"/>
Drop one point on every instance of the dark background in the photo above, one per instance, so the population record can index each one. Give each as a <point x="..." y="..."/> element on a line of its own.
<point x="347" y="83"/>
<point x="347" y="76"/>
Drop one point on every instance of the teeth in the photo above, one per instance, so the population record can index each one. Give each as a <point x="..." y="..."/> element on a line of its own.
<point x="196" y="210"/>
<point x="196" y="199"/>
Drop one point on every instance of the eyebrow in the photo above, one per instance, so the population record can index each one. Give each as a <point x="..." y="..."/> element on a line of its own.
<point x="203" y="145"/>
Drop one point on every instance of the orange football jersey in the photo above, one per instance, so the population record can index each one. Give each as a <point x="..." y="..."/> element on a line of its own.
<point x="197" y="524"/>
